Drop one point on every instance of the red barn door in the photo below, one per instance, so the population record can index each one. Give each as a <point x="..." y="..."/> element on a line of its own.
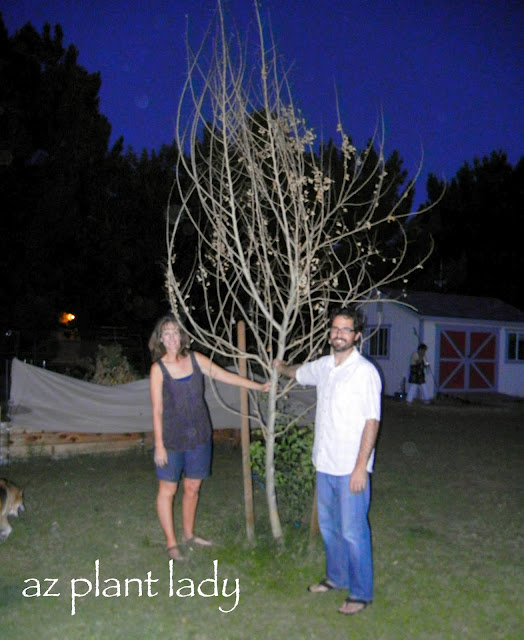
<point x="467" y="360"/>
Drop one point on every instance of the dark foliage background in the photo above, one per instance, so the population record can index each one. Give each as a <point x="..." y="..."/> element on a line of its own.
<point x="83" y="224"/>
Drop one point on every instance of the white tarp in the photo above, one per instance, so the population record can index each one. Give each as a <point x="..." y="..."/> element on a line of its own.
<point x="42" y="400"/>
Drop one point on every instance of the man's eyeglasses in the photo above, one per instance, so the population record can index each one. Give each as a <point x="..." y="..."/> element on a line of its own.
<point x="345" y="330"/>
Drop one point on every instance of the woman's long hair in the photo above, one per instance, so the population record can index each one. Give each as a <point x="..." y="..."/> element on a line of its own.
<point x="155" y="344"/>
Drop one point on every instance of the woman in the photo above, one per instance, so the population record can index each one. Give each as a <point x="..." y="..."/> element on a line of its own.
<point x="181" y="425"/>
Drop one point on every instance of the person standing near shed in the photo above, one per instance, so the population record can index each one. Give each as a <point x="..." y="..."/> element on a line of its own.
<point x="417" y="374"/>
<point x="346" y="429"/>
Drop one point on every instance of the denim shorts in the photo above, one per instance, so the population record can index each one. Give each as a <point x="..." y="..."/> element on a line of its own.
<point x="194" y="463"/>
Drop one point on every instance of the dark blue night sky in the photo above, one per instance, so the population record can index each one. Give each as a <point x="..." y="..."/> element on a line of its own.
<point x="448" y="75"/>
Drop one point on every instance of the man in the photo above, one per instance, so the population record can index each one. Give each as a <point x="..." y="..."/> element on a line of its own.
<point x="346" y="429"/>
<point x="417" y="374"/>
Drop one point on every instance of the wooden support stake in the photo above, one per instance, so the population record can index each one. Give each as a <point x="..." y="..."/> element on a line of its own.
<point x="313" y="525"/>
<point x="245" y="439"/>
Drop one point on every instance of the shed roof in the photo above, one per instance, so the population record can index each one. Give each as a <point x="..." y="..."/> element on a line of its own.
<point x="455" y="306"/>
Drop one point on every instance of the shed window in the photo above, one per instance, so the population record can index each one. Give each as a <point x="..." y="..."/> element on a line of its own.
<point x="378" y="342"/>
<point x="515" y="346"/>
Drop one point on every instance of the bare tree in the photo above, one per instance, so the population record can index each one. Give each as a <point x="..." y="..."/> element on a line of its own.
<point x="276" y="238"/>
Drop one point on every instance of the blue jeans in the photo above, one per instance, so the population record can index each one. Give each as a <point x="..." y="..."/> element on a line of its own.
<point x="344" y="525"/>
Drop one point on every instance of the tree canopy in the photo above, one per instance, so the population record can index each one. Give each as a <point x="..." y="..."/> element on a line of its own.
<point x="83" y="224"/>
<point x="478" y="249"/>
<point x="282" y="233"/>
<point x="82" y="228"/>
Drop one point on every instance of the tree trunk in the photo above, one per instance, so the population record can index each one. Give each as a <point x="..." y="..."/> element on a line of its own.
<point x="274" y="518"/>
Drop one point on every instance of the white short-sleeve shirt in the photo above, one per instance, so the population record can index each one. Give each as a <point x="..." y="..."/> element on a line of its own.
<point x="347" y="396"/>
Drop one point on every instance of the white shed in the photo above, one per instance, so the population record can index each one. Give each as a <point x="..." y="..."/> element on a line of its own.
<point x="475" y="344"/>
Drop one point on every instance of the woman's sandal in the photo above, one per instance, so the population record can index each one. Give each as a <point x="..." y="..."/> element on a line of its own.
<point x="352" y="606"/>
<point x="175" y="554"/>
<point x="196" y="541"/>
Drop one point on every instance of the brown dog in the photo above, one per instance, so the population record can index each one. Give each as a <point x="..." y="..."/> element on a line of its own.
<point x="11" y="504"/>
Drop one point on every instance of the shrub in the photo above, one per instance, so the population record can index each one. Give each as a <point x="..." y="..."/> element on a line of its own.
<point x="294" y="471"/>
<point x="112" y="366"/>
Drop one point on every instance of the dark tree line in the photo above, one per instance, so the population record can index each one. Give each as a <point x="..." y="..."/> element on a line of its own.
<point x="82" y="228"/>
<point x="478" y="246"/>
<point x="83" y="223"/>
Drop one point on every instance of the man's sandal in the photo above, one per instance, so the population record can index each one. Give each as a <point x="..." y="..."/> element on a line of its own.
<point x="175" y="554"/>
<point x="321" y="587"/>
<point x="352" y="606"/>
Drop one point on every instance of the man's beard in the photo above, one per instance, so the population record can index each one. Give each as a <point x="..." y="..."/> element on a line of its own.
<point x="340" y="346"/>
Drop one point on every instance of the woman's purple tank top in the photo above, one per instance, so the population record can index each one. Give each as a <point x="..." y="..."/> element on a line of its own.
<point x="185" y="417"/>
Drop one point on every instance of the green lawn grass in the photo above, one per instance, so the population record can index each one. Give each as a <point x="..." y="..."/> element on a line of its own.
<point x="447" y="536"/>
